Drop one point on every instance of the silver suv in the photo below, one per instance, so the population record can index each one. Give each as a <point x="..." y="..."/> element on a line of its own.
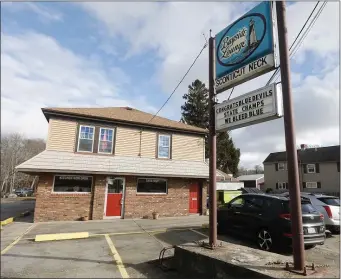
<point x="329" y="206"/>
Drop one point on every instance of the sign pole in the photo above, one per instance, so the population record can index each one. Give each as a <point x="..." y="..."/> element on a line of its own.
<point x="290" y="141"/>
<point x="212" y="146"/>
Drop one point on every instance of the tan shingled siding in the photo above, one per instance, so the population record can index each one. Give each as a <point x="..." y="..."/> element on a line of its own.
<point x="148" y="144"/>
<point x="62" y="135"/>
<point x="127" y="142"/>
<point x="189" y="148"/>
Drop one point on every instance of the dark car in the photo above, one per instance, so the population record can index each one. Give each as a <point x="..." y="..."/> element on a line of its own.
<point x="266" y="219"/>
<point x="24" y="192"/>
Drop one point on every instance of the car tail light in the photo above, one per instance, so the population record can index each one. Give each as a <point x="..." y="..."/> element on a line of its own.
<point x="285" y="216"/>
<point x="321" y="217"/>
<point x="329" y="212"/>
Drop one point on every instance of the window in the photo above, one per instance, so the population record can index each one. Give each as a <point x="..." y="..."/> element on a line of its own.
<point x="311" y="184"/>
<point x="306" y="207"/>
<point x="164" y="146"/>
<point x="238" y="203"/>
<point x="254" y="202"/>
<point x="105" y="143"/>
<point x="282" y="185"/>
<point x="72" y="183"/>
<point x="151" y="185"/>
<point x="311" y="168"/>
<point x="330" y="201"/>
<point x="281" y="166"/>
<point x="86" y="138"/>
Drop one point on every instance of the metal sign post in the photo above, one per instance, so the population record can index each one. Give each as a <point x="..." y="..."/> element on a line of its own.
<point x="212" y="147"/>
<point x="293" y="176"/>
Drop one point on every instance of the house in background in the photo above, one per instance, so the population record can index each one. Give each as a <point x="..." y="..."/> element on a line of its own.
<point x="118" y="163"/>
<point x="227" y="190"/>
<point x="252" y="180"/>
<point x="319" y="170"/>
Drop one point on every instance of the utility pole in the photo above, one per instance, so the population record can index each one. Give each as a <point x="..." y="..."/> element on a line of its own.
<point x="212" y="146"/>
<point x="290" y="141"/>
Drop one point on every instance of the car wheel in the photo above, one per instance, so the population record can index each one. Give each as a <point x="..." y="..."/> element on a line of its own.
<point x="264" y="240"/>
<point x="310" y="246"/>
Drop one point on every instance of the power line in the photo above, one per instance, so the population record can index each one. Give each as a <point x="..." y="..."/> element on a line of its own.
<point x="277" y="70"/>
<point x="195" y="60"/>
<point x="313" y="21"/>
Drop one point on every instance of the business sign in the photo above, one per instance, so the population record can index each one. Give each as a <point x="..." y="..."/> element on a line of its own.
<point x="258" y="106"/>
<point x="245" y="49"/>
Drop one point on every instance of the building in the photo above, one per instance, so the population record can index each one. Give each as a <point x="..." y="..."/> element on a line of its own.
<point x="118" y="162"/>
<point x="227" y="190"/>
<point x="319" y="170"/>
<point x="252" y="180"/>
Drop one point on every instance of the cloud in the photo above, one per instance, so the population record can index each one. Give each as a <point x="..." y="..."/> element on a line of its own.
<point x="44" y="13"/>
<point x="37" y="72"/>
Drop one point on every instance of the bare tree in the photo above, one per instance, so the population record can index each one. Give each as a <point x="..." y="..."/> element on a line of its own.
<point x="15" y="149"/>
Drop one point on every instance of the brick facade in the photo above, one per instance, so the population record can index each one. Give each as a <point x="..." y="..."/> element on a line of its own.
<point x="59" y="206"/>
<point x="64" y="206"/>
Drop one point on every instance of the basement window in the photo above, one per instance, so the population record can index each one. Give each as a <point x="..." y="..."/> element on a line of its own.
<point x="151" y="186"/>
<point x="72" y="184"/>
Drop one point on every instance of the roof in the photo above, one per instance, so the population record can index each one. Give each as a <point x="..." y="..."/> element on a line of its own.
<point x="309" y="155"/>
<point x="251" y="190"/>
<point x="123" y="114"/>
<point x="67" y="162"/>
<point x="251" y="177"/>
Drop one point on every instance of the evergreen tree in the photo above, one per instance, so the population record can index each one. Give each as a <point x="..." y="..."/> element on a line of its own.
<point x="195" y="112"/>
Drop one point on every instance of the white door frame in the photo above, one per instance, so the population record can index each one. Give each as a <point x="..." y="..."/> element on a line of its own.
<point x="106" y="196"/>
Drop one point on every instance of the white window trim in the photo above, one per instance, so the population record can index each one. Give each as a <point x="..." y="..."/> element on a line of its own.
<point x="93" y="138"/>
<point x="283" y="185"/>
<point x="99" y="140"/>
<point x="169" y="147"/>
<point x="314" y="183"/>
<point x="311" y="166"/>
<point x="281" y="164"/>
<point x="152" y="193"/>
<point x="72" y="193"/>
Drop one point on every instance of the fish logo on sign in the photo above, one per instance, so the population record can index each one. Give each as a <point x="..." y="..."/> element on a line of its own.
<point x="241" y="39"/>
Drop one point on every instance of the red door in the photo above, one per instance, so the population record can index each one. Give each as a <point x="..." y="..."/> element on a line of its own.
<point x="194" y="198"/>
<point x="114" y="197"/>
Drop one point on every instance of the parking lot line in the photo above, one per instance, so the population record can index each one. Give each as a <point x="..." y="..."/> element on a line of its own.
<point x="117" y="258"/>
<point x="202" y="234"/>
<point x="17" y="240"/>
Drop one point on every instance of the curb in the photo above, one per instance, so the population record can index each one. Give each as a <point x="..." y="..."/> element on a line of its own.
<point x="61" y="236"/>
<point x="205" y="226"/>
<point x="11" y="219"/>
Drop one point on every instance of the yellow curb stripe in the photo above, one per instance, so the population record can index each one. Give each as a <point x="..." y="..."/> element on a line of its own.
<point x="117" y="258"/>
<point x="202" y="234"/>
<point x="61" y="236"/>
<point x="17" y="240"/>
<point x="7" y="221"/>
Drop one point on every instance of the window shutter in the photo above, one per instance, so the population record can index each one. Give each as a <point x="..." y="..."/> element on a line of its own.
<point x="276" y="185"/>
<point x="319" y="185"/>
<point x="304" y="168"/>
<point x="304" y="185"/>
<point x="317" y="167"/>
<point x="276" y="166"/>
<point x="338" y="166"/>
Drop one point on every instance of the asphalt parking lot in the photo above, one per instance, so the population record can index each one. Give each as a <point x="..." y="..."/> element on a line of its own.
<point x="14" y="207"/>
<point x="115" y="248"/>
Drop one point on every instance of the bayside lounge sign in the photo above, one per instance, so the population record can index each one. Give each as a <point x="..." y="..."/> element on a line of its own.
<point x="245" y="49"/>
<point x="258" y="106"/>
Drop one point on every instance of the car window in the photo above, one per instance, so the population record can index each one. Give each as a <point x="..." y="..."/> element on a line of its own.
<point x="238" y="202"/>
<point x="254" y="202"/>
<point x="330" y="201"/>
<point x="306" y="207"/>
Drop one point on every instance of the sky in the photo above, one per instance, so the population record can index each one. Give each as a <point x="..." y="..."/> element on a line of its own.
<point x="87" y="54"/>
